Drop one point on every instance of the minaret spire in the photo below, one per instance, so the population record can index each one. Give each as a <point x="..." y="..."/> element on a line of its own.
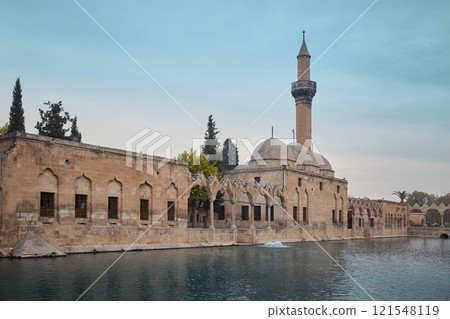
<point x="303" y="91"/>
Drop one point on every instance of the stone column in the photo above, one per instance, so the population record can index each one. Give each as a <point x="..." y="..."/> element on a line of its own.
<point x="233" y="215"/>
<point x="268" y="208"/>
<point x="442" y="219"/>
<point x="211" y="213"/>
<point x="252" y="215"/>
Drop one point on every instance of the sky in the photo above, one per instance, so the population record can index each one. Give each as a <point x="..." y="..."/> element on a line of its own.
<point x="380" y="115"/>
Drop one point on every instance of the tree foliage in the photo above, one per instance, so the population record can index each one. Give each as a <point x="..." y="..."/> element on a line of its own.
<point x="402" y="195"/>
<point x="16" y="117"/>
<point x="420" y="198"/>
<point x="444" y="199"/>
<point x="53" y="123"/>
<point x="199" y="164"/>
<point x="4" y="129"/>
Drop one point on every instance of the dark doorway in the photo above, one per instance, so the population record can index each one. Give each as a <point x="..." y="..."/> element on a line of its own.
<point x="350" y="220"/>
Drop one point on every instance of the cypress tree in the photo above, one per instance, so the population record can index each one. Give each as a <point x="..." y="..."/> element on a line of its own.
<point x="211" y="143"/>
<point x="16" y="118"/>
<point x="75" y="134"/>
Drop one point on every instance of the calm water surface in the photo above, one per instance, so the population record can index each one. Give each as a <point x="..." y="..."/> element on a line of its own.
<point x="389" y="269"/>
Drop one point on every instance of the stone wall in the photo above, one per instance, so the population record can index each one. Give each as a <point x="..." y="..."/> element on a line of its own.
<point x="39" y="164"/>
<point x="31" y="165"/>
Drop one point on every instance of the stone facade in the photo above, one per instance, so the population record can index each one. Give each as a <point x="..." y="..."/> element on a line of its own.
<point x="81" y="197"/>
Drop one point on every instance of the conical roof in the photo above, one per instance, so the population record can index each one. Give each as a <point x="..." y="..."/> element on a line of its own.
<point x="304" y="50"/>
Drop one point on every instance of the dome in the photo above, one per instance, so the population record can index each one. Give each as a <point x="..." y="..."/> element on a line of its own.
<point x="273" y="149"/>
<point x="274" y="152"/>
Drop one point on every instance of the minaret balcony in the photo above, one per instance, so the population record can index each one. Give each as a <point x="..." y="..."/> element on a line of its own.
<point x="303" y="88"/>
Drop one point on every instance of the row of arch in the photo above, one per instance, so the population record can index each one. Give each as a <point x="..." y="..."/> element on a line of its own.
<point x="238" y="204"/>
<point x="113" y="197"/>
<point x="433" y="217"/>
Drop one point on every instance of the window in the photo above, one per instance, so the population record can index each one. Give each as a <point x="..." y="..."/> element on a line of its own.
<point x="372" y="222"/>
<point x="47" y="204"/>
<point x="338" y="189"/>
<point x="80" y="206"/>
<point x="294" y="213"/>
<point x="221" y="212"/>
<point x="304" y="214"/>
<point x="267" y="213"/>
<point x="359" y="222"/>
<point x="340" y="216"/>
<point x="113" y="207"/>
<point x="258" y="179"/>
<point x="144" y="209"/>
<point x="244" y="212"/>
<point x="321" y="186"/>
<point x="333" y="217"/>
<point x="171" y="211"/>
<point x="272" y="213"/>
<point x="299" y="182"/>
<point x="257" y="213"/>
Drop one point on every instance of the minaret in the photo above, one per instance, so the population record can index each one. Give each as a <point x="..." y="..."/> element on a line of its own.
<point x="303" y="91"/>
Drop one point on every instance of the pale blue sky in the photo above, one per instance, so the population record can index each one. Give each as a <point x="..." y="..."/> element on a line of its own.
<point x="380" y="114"/>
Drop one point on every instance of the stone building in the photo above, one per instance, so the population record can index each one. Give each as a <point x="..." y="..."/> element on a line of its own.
<point x="79" y="197"/>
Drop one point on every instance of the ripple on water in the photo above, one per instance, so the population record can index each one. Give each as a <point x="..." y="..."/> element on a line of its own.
<point x="389" y="269"/>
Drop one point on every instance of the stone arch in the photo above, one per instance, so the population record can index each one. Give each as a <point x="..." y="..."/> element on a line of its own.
<point x="146" y="201"/>
<point x="171" y="197"/>
<point x="83" y="197"/>
<point x="48" y="180"/>
<point x="433" y="218"/>
<point x="296" y="206"/>
<point x="444" y="236"/>
<point x="260" y="209"/>
<point x="304" y="204"/>
<point x="340" y="213"/>
<point x="114" y="193"/>
<point x="447" y="218"/>
<point x="277" y="211"/>
<point x="48" y="198"/>
<point x="198" y="206"/>
<point x="243" y="208"/>
<point x="219" y="209"/>
<point x="334" y="211"/>
<point x="229" y="190"/>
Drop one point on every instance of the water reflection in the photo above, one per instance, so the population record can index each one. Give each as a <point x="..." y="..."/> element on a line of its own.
<point x="389" y="269"/>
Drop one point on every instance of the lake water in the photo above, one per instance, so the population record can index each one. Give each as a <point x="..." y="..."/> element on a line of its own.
<point x="388" y="269"/>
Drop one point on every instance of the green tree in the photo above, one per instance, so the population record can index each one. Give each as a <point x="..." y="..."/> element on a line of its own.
<point x="75" y="134"/>
<point x="211" y="144"/>
<point x="199" y="164"/>
<point x="4" y="129"/>
<point x="402" y="195"/>
<point x="16" y="118"/>
<point x="445" y="199"/>
<point x="53" y="121"/>
<point x="230" y="155"/>
<point x="420" y="198"/>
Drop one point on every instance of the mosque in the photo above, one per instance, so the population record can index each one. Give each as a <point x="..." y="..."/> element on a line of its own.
<point x="70" y="197"/>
